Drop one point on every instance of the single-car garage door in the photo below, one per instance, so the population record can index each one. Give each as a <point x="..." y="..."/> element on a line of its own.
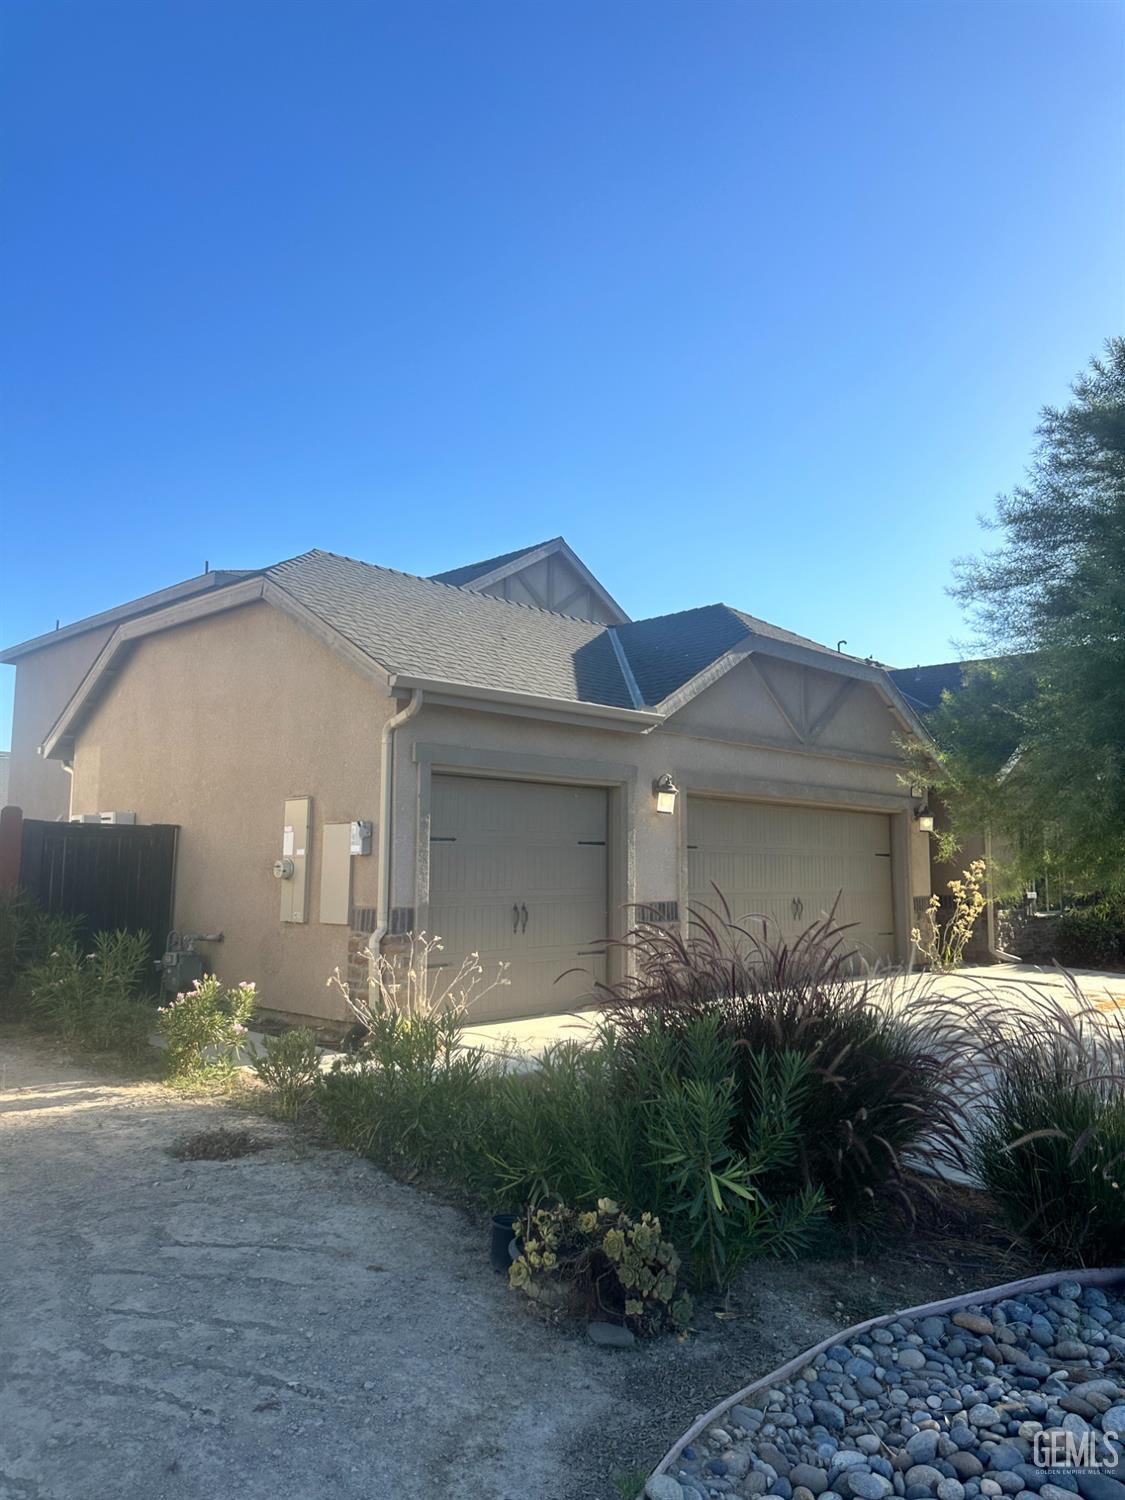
<point x="791" y="863"/>
<point x="518" y="874"/>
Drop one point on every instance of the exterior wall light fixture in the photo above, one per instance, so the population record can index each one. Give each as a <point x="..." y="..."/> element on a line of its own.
<point x="924" y="818"/>
<point x="665" y="791"/>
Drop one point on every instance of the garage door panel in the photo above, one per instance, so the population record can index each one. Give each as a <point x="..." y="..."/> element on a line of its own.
<point x="499" y="844"/>
<point x="461" y="868"/>
<point x="790" y="865"/>
<point x="560" y="870"/>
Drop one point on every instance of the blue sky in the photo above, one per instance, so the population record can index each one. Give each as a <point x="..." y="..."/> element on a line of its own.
<point x="751" y="302"/>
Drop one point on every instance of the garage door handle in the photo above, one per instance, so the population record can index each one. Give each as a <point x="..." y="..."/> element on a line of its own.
<point x="524" y="927"/>
<point x="515" y="916"/>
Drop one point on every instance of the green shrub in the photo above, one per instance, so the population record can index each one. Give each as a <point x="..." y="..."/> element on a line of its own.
<point x="649" y="1125"/>
<point x="95" y="1000"/>
<point x="412" y="1098"/>
<point x="1049" y="1123"/>
<point x="28" y="936"/>
<point x="601" y="1262"/>
<point x="880" y="1083"/>
<point x="575" y="1128"/>
<point x="717" y="1197"/>
<point x="1092" y="937"/>
<point x="290" y="1065"/>
<point x="203" y="1026"/>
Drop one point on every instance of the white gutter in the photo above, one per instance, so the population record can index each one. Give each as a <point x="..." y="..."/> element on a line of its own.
<point x="386" y="773"/>
<point x="625" y="718"/>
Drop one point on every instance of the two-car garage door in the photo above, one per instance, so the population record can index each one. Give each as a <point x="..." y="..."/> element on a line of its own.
<point x="518" y="874"/>
<point x="790" y="864"/>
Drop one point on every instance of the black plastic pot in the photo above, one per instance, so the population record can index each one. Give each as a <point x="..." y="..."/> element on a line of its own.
<point x="503" y="1236"/>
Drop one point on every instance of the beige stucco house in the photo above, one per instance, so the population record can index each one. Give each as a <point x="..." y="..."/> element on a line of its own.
<point x="504" y="729"/>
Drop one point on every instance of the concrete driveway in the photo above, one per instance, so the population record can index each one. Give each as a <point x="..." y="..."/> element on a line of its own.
<point x="1101" y="989"/>
<point x="288" y="1324"/>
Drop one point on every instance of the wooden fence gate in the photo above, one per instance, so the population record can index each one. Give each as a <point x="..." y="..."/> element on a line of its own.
<point x="109" y="875"/>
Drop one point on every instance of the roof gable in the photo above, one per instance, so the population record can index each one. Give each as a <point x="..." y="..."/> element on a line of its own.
<point x="146" y="604"/>
<point x="459" y="577"/>
<point x="549" y="575"/>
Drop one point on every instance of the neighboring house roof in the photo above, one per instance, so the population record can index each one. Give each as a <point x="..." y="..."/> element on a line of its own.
<point x="143" y="606"/>
<point x="922" y="687"/>
<point x="459" y="644"/>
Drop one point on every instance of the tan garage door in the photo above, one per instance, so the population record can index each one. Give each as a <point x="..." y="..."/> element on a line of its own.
<point x="790" y="863"/>
<point x="518" y="873"/>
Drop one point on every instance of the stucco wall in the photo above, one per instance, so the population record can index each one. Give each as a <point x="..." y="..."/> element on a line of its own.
<point x="45" y="681"/>
<point x="212" y="726"/>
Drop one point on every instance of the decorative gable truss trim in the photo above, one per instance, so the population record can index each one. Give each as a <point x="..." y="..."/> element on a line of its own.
<point x="554" y="548"/>
<point x="828" y="713"/>
<point x="797" y="730"/>
<point x="821" y="661"/>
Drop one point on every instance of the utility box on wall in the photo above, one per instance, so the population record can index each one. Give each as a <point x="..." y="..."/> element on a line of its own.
<point x="336" y="848"/>
<point x="291" y="869"/>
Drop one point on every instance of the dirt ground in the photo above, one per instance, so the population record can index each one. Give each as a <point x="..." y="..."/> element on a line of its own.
<point x="296" y="1323"/>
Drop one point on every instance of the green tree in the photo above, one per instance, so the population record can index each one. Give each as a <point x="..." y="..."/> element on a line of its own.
<point x="1036" y="741"/>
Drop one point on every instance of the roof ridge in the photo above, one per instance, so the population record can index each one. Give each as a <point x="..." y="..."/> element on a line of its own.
<point x="484" y="565"/>
<point x="692" y="609"/>
<point x="456" y="588"/>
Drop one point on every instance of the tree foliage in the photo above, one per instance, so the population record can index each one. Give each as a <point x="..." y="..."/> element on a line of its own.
<point x="1036" y="741"/>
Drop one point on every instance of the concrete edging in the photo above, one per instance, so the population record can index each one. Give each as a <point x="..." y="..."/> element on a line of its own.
<point x="949" y="1304"/>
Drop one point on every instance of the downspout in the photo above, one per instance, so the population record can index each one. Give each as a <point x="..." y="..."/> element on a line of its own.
<point x="383" y="904"/>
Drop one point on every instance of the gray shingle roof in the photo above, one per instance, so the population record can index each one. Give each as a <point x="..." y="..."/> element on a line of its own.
<point x="419" y="627"/>
<point x="922" y="687"/>
<point x="426" y="628"/>
<point x="466" y="574"/>
<point x="668" y="650"/>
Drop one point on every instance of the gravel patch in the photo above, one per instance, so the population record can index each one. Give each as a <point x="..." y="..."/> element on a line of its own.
<point x="983" y="1402"/>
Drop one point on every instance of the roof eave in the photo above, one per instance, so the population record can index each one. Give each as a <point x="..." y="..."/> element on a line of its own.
<point x="145" y="605"/>
<point x="535" y="705"/>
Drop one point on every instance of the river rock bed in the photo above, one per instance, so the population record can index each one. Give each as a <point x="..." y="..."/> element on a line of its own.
<point x="938" y="1407"/>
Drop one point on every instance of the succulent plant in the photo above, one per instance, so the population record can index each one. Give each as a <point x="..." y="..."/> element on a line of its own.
<point x="601" y="1261"/>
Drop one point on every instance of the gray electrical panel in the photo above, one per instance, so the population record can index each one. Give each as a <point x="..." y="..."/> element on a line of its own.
<point x="292" y="867"/>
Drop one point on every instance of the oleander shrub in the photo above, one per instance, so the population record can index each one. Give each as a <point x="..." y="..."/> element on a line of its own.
<point x="203" y="1027"/>
<point x="289" y="1064"/>
<point x="1047" y="1119"/>
<point x="880" y="1098"/>
<point x="28" y="935"/>
<point x="95" y="1000"/>
<point x="412" y="1098"/>
<point x="649" y="1126"/>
